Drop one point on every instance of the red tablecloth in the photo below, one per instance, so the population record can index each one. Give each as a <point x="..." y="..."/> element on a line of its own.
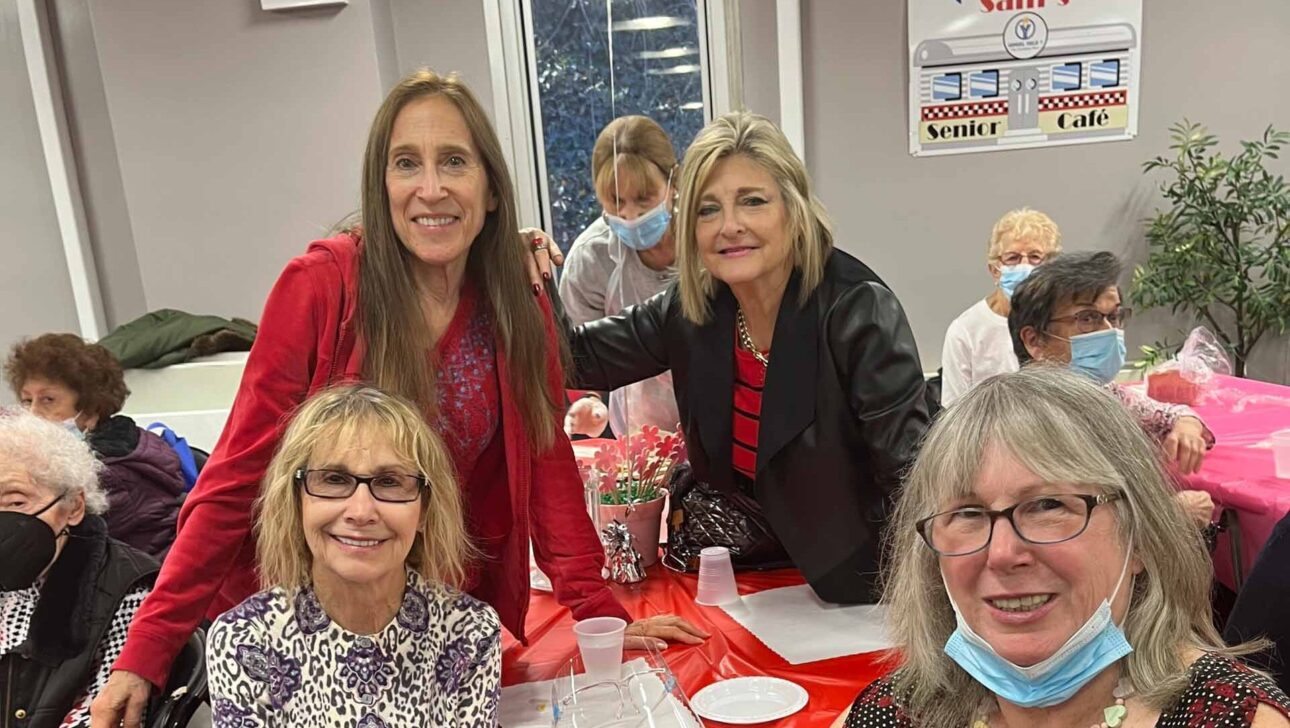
<point x="1237" y="473"/>
<point x="732" y="651"/>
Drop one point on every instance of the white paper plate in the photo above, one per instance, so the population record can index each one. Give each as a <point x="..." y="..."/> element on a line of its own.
<point x="538" y="580"/>
<point x="748" y="700"/>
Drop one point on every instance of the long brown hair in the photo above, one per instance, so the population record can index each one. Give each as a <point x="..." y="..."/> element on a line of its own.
<point x="389" y="314"/>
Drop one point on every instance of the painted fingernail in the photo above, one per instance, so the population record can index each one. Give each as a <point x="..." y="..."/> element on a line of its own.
<point x="537" y="289"/>
<point x="546" y="275"/>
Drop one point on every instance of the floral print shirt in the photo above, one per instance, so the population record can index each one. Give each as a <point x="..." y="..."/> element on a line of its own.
<point x="1157" y="418"/>
<point x="277" y="659"/>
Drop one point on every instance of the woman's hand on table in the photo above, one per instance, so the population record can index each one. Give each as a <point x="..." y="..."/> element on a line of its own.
<point x="658" y="630"/>
<point x="1185" y="444"/>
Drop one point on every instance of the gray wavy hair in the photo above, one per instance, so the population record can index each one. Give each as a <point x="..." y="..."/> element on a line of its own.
<point x="1065" y="429"/>
<point x="54" y="458"/>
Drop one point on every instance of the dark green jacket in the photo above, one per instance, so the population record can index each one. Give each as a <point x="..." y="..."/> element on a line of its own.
<point x="167" y="336"/>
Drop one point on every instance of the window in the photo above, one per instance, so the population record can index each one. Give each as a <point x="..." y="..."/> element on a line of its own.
<point x="947" y="87"/>
<point x="1066" y="77"/>
<point x="984" y="85"/>
<point x="657" y="71"/>
<point x="1104" y="74"/>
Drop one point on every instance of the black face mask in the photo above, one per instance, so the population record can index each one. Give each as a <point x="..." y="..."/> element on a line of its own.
<point x="27" y="546"/>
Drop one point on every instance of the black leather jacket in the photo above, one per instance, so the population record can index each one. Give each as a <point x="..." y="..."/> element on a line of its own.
<point x="843" y="410"/>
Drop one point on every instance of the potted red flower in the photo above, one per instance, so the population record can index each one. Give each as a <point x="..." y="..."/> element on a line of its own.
<point x="630" y="476"/>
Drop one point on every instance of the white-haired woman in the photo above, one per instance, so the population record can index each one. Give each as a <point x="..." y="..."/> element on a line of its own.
<point x="977" y="343"/>
<point x="795" y="371"/>
<point x="360" y="535"/>
<point x="1042" y="575"/>
<point x="67" y="591"/>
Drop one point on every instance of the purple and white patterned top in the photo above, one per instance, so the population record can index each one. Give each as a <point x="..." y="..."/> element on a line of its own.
<point x="1157" y="418"/>
<point x="278" y="659"/>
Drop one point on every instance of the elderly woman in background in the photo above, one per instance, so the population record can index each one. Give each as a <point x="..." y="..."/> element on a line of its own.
<point x="360" y="534"/>
<point x="1041" y="575"/>
<point x="430" y="303"/>
<point x="67" y="590"/>
<point x="63" y="379"/>
<point x="977" y="343"/>
<point x="627" y="255"/>
<point x="1069" y="313"/>
<point x="796" y="374"/>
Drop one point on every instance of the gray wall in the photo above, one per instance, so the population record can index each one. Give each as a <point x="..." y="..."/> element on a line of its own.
<point x="238" y="137"/>
<point x="923" y="224"/>
<point x="35" y="292"/>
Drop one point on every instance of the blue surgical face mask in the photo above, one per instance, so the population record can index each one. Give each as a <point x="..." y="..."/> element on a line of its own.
<point x="1011" y="276"/>
<point x="646" y="230"/>
<point x="1096" y="645"/>
<point x="1099" y="355"/>
<point x="71" y="426"/>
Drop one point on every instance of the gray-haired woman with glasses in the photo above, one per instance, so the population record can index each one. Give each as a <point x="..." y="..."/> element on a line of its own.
<point x="1041" y="574"/>
<point x="1069" y="313"/>
<point x="360" y="531"/>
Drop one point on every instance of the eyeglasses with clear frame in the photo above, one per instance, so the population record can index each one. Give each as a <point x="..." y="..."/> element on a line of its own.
<point x="339" y="485"/>
<point x="1091" y="319"/>
<point x="1015" y="258"/>
<point x="1041" y="521"/>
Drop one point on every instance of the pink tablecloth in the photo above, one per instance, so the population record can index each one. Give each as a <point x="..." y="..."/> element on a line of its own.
<point x="1239" y="472"/>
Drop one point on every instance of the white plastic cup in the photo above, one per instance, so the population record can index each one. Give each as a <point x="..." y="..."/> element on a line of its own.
<point x="716" y="578"/>
<point x="600" y="642"/>
<point x="1281" y="453"/>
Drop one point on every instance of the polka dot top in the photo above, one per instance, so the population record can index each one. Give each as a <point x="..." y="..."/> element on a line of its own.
<point x="1223" y="693"/>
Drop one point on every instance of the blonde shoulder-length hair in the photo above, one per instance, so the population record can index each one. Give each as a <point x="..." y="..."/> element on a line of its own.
<point x="329" y="419"/>
<point x="1064" y="429"/>
<point x="809" y="226"/>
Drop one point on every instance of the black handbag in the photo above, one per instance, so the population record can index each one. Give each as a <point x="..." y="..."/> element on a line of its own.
<point x="700" y="516"/>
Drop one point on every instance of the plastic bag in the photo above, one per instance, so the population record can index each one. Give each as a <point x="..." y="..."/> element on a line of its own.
<point x="1185" y="378"/>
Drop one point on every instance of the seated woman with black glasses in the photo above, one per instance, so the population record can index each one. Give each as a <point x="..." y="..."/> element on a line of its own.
<point x="1068" y="312"/>
<point x="361" y="537"/>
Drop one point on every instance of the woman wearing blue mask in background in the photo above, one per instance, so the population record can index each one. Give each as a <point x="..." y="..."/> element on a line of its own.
<point x="626" y="255"/>
<point x="1068" y="312"/>
<point x="977" y="344"/>
<point x="1041" y="576"/>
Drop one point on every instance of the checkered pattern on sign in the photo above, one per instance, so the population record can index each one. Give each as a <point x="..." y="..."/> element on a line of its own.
<point x="965" y="111"/>
<point x="1082" y="101"/>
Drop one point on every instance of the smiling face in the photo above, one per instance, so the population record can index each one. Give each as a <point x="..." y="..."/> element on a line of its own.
<point x="742" y="227"/>
<point x="437" y="182"/>
<point x="1026" y="600"/>
<point x="359" y="541"/>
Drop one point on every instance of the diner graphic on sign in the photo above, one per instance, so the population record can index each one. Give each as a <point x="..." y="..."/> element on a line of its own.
<point x="1007" y="74"/>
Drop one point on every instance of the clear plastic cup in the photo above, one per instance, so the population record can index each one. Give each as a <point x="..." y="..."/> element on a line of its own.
<point x="1281" y="453"/>
<point x="716" y="578"/>
<point x="600" y="642"/>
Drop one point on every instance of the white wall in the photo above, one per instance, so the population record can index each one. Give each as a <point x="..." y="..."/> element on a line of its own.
<point x="923" y="223"/>
<point x="238" y="137"/>
<point x="35" y="291"/>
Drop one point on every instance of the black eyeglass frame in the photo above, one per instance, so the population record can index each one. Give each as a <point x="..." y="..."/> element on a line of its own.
<point x="1092" y="501"/>
<point x="301" y="479"/>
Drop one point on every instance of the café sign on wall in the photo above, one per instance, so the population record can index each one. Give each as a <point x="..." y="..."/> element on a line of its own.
<point x="987" y="75"/>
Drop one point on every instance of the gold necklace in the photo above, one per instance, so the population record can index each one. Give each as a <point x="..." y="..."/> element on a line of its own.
<point x="745" y="340"/>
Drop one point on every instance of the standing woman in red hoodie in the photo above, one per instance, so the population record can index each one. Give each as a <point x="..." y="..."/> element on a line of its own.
<point x="432" y="303"/>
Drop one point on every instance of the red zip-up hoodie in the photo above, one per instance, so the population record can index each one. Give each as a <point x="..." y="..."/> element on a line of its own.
<point x="306" y="342"/>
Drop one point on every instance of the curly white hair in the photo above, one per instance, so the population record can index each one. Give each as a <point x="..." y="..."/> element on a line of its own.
<point x="54" y="458"/>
